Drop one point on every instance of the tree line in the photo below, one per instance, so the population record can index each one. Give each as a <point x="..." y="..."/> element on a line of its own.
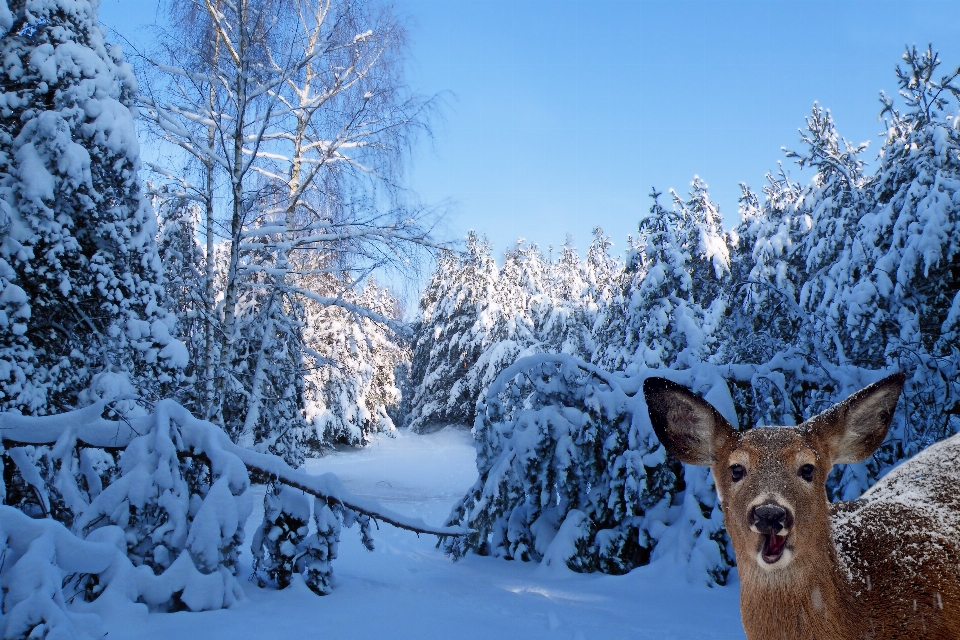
<point x="819" y="290"/>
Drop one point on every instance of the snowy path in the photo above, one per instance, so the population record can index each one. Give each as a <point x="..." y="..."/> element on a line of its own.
<point x="408" y="589"/>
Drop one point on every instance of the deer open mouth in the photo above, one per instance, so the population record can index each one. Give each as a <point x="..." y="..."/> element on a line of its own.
<point x="773" y="546"/>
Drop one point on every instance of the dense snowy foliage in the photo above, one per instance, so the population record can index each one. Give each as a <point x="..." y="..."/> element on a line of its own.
<point x="571" y="472"/>
<point x="820" y="290"/>
<point x="79" y="269"/>
<point x="352" y="387"/>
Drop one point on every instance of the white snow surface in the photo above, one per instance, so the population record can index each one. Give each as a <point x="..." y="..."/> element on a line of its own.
<point x="407" y="588"/>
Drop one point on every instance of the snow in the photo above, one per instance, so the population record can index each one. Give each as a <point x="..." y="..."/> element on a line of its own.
<point x="407" y="588"/>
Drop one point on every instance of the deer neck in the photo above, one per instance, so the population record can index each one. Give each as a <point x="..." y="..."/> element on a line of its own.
<point x="811" y="598"/>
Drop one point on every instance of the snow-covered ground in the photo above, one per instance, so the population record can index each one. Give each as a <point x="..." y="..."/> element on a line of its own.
<point x="407" y="588"/>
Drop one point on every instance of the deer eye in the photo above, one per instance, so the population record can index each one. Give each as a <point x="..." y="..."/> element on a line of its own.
<point x="737" y="472"/>
<point x="806" y="472"/>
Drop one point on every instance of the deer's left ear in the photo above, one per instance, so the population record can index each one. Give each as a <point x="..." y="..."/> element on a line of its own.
<point x="852" y="430"/>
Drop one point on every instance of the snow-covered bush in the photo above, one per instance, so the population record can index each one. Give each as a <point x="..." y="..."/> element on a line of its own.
<point x="155" y="505"/>
<point x="282" y="545"/>
<point x="571" y="471"/>
<point x="177" y="493"/>
<point x="176" y="496"/>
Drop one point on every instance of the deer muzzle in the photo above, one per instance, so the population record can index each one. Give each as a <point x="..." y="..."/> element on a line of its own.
<point x="773" y="522"/>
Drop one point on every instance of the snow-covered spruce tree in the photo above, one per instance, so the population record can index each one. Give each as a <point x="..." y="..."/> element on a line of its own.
<point x="352" y="388"/>
<point x="564" y="324"/>
<point x="602" y="274"/>
<point x="615" y="328"/>
<point x="455" y="317"/>
<point x="265" y="408"/>
<point x="762" y="322"/>
<point x="523" y="289"/>
<point x="178" y="497"/>
<point x="903" y="295"/>
<point x="79" y="235"/>
<point x="601" y="270"/>
<point x="423" y="398"/>
<point x="704" y="236"/>
<point x="184" y="265"/>
<point x="768" y="237"/>
<point x="673" y="296"/>
<point x="505" y="330"/>
<point x="910" y="236"/>
<point x="697" y="320"/>
<point x="828" y="210"/>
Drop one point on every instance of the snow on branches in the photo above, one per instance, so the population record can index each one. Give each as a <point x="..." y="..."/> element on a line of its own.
<point x="572" y="472"/>
<point x="147" y="513"/>
<point x="820" y="290"/>
<point x="80" y="277"/>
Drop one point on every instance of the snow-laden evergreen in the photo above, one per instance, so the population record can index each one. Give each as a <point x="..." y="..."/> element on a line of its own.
<point x="572" y="473"/>
<point x="456" y="314"/>
<point x="352" y="387"/>
<point x="184" y="263"/>
<point x="80" y="272"/>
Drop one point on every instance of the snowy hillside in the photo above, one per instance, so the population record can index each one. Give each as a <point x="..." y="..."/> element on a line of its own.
<point x="407" y="588"/>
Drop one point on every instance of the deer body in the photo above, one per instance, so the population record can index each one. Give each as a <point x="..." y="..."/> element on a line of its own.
<point x="886" y="566"/>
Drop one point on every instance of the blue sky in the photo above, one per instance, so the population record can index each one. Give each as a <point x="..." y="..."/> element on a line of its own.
<point x="562" y="115"/>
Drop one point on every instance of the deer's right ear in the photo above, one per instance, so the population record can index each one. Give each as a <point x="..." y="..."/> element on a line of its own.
<point x="687" y="425"/>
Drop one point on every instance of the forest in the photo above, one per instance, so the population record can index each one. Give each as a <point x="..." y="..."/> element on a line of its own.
<point x="196" y="248"/>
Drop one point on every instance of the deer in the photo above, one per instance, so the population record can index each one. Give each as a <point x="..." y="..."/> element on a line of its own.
<point x="884" y="566"/>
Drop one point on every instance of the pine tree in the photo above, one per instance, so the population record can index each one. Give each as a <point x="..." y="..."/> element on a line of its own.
<point x="705" y="239"/>
<point x="79" y="237"/>
<point x="604" y="279"/>
<point x="183" y="267"/>
<point x="762" y="322"/>
<point x="265" y="405"/>
<point x="623" y="332"/>
<point x="564" y="325"/>
<point x="900" y="306"/>
<point x="452" y="337"/>
<point x="673" y="299"/>
<point x="353" y="390"/>
<point x="909" y="236"/>
<point x="506" y="327"/>
<point x="601" y="270"/>
<point x="826" y="214"/>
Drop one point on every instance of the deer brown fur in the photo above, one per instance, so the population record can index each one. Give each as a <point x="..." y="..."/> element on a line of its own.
<point x="886" y="566"/>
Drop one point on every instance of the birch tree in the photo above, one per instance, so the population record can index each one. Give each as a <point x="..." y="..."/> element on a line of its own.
<point x="297" y="117"/>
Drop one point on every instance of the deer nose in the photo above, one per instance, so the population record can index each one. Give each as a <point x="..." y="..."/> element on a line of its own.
<point x="768" y="518"/>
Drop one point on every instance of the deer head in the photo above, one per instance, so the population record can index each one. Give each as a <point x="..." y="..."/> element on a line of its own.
<point x="771" y="480"/>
